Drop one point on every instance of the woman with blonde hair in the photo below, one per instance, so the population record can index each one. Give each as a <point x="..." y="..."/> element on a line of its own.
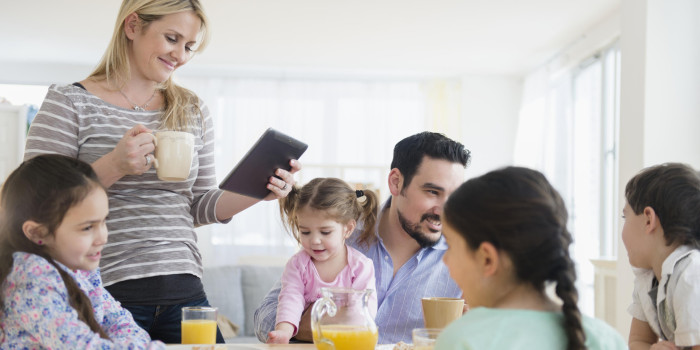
<point x="151" y="264"/>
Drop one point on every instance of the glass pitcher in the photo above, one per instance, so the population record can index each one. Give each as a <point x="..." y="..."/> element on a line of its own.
<point x="341" y="320"/>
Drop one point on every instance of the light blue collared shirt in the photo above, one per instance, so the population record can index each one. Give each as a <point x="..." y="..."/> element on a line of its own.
<point x="399" y="297"/>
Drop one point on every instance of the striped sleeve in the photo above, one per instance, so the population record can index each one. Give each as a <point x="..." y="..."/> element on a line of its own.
<point x="55" y="127"/>
<point x="266" y="313"/>
<point x="206" y="194"/>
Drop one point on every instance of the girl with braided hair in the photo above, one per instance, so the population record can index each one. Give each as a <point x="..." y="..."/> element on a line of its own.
<point x="507" y="238"/>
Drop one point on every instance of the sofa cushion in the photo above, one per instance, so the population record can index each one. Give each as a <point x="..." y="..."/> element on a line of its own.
<point x="223" y="287"/>
<point x="256" y="282"/>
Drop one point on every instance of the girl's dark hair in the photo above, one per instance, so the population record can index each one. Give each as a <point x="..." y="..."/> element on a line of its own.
<point x="336" y="198"/>
<point x="42" y="189"/>
<point x="673" y="190"/>
<point x="522" y="215"/>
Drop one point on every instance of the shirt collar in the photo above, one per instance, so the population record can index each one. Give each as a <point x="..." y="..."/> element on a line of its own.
<point x="441" y="244"/>
<point x="667" y="269"/>
<point x="670" y="262"/>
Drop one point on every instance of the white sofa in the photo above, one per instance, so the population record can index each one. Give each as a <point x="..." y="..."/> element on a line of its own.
<point x="237" y="290"/>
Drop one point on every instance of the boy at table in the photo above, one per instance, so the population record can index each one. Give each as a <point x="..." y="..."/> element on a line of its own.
<point x="408" y="246"/>
<point x="662" y="236"/>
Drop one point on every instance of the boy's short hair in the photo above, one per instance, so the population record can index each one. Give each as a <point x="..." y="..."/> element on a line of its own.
<point x="673" y="191"/>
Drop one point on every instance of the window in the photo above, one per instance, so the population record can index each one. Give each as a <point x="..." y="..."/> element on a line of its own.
<point x="592" y="203"/>
<point x="568" y="130"/>
<point x="595" y="112"/>
<point x="350" y="126"/>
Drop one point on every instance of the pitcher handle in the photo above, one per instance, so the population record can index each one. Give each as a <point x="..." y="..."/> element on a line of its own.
<point x="321" y="306"/>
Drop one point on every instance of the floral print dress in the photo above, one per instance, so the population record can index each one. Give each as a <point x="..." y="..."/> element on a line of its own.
<point x="37" y="313"/>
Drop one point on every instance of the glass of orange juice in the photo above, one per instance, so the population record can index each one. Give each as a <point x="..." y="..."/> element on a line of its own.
<point x="198" y="325"/>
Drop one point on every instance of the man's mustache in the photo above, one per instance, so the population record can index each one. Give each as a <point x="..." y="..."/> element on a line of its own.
<point x="433" y="217"/>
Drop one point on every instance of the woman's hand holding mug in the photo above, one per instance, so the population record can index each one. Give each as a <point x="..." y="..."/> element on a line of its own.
<point x="133" y="154"/>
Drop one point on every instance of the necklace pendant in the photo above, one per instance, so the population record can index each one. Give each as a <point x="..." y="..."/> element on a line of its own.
<point x="139" y="109"/>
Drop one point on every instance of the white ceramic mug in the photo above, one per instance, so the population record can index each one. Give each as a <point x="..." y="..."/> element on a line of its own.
<point x="174" y="150"/>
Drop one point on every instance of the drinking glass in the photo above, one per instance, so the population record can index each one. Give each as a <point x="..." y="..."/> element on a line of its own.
<point x="198" y="325"/>
<point x="424" y="338"/>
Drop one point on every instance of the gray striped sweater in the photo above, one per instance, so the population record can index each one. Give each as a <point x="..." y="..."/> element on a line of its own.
<point x="151" y="222"/>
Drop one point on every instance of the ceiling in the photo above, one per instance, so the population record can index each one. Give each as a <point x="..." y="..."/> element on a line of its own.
<point x="441" y="37"/>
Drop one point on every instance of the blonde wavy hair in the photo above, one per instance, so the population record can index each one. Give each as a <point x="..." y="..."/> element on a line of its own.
<point x="180" y="105"/>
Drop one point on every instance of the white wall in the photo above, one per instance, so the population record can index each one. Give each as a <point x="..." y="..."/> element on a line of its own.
<point x="659" y="108"/>
<point x="42" y="73"/>
<point x="672" y="120"/>
<point x="489" y="122"/>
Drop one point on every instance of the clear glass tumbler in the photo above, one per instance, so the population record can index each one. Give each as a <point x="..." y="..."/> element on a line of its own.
<point x="198" y="325"/>
<point x="424" y="338"/>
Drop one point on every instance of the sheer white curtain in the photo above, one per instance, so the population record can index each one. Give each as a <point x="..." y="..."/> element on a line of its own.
<point x="544" y="127"/>
<point x="350" y="127"/>
<point x="566" y="130"/>
<point x="545" y="141"/>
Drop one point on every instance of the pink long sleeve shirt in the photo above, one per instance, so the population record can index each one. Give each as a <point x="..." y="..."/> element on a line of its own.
<point x="301" y="284"/>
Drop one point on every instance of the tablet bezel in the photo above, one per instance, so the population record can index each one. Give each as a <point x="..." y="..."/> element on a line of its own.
<point x="272" y="151"/>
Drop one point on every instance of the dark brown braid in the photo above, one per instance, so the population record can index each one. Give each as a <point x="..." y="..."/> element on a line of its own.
<point x="522" y="215"/>
<point x="566" y="291"/>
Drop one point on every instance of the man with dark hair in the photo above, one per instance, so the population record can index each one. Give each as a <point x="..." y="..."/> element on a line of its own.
<point x="409" y="156"/>
<point x="408" y="247"/>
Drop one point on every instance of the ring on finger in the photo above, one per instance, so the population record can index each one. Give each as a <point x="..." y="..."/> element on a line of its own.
<point x="284" y="187"/>
<point x="148" y="159"/>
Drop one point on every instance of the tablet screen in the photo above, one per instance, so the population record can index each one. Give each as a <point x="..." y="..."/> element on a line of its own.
<point x="272" y="151"/>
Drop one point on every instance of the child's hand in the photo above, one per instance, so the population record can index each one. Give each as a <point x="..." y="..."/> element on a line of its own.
<point x="278" y="337"/>
<point x="663" y="345"/>
<point x="282" y="333"/>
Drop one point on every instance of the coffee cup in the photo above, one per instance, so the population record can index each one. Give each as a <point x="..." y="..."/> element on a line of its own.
<point x="173" y="155"/>
<point x="438" y="312"/>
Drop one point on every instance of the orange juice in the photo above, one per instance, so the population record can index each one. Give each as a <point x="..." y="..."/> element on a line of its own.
<point x="198" y="332"/>
<point x="347" y="337"/>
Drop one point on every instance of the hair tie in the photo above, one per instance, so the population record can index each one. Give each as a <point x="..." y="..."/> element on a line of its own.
<point x="359" y="193"/>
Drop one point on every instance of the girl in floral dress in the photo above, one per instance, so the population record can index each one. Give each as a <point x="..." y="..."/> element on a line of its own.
<point x="52" y="231"/>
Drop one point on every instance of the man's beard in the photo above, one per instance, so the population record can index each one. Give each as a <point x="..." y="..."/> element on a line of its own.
<point x="414" y="230"/>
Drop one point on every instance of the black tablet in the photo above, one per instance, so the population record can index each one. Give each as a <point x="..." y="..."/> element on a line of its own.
<point x="272" y="151"/>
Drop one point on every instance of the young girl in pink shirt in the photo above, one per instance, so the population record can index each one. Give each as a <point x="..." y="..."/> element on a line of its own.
<point x="321" y="216"/>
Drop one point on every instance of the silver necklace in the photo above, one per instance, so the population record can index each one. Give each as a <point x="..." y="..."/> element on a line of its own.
<point x="137" y="107"/>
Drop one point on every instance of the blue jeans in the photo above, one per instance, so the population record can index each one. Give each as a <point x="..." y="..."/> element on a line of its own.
<point x="162" y="322"/>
